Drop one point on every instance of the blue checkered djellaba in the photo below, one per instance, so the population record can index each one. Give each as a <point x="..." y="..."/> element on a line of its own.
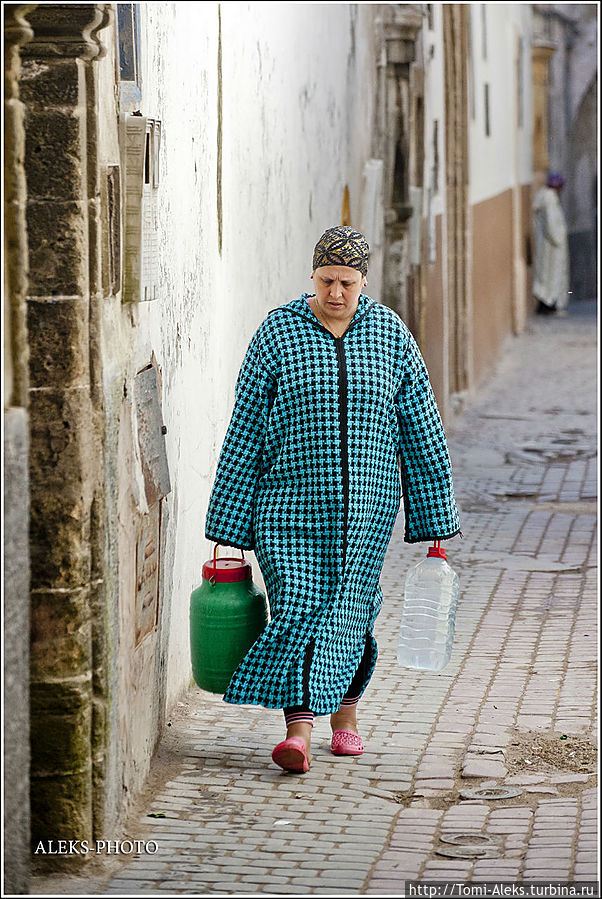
<point x="309" y="477"/>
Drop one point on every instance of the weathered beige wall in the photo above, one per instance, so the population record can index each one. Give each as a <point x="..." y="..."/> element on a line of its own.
<point x="496" y="298"/>
<point x="526" y="227"/>
<point x="492" y="284"/>
<point x="433" y="348"/>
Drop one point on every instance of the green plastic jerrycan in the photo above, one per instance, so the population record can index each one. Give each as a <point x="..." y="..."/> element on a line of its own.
<point x="228" y="612"/>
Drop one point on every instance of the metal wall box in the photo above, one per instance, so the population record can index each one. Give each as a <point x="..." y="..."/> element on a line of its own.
<point x="140" y="141"/>
<point x="148" y="565"/>
<point x="151" y="436"/>
<point x="415" y="224"/>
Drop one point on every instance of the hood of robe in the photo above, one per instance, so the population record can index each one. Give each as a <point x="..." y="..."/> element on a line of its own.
<point x="302" y="307"/>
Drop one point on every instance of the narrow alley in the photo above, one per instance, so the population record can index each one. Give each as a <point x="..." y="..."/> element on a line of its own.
<point x="515" y="710"/>
<point x="168" y="170"/>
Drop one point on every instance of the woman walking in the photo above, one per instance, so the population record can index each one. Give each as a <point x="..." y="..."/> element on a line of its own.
<point x="332" y="403"/>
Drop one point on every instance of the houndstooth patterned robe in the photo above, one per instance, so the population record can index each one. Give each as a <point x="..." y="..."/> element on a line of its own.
<point x="309" y="477"/>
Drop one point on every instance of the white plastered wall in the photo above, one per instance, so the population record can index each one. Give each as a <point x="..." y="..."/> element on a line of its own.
<point x="293" y="119"/>
<point x="434" y="111"/>
<point x="502" y="160"/>
<point x="434" y="108"/>
<point x="297" y="84"/>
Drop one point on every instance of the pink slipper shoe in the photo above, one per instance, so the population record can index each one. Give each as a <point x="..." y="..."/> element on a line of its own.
<point x="291" y="755"/>
<point x="345" y="742"/>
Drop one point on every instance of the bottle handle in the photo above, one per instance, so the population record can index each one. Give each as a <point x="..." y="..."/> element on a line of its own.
<point x="437" y="551"/>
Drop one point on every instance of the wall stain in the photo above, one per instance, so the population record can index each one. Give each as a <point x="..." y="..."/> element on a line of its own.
<point x="219" y="128"/>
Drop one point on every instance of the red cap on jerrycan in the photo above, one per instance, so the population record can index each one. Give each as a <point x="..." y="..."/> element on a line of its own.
<point x="437" y="550"/>
<point x="227" y="569"/>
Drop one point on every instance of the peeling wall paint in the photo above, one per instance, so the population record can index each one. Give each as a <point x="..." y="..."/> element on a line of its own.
<point x="287" y="82"/>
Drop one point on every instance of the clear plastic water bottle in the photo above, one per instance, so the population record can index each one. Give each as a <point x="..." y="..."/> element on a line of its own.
<point x="428" y="619"/>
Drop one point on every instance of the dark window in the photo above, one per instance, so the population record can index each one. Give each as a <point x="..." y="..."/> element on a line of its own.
<point x="520" y="82"/>
<point x="128" y="42"/>
<point x="128" y="23"/>
<point x="400" y="172"/>
<point x="471" y="68"/>
<point x="487" y="113"/>
<point x="147" y="159"/>
<point x="418" y="140"/>
<point x="484" y="29"/>
<point x="435" y="156"/>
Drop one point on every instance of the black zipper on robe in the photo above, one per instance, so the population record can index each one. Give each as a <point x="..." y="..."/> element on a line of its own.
<point x="342" y="366"/>
<point x="338" y="342"/>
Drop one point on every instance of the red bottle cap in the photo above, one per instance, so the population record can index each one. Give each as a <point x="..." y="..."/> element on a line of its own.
<point x="437" y="551"/>
<point x="226" y="570"/>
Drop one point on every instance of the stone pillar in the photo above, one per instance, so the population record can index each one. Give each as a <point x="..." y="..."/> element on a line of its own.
<point x="65" y="434"/>
<point x="16" y="470"/>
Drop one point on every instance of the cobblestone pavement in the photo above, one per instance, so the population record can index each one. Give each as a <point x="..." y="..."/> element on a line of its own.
<point x="516" y="706"/>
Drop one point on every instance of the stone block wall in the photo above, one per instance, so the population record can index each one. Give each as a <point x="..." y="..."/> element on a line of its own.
<point x="65" y="452"/>
<point x="16" y="860"/>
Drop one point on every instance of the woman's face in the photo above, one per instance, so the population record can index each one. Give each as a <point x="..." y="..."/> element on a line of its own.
<point x="338" y="289"/>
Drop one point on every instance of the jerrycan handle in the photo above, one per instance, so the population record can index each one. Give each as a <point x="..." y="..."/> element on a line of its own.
<point x="212" y="578"/>
<point x="223" y="544"/>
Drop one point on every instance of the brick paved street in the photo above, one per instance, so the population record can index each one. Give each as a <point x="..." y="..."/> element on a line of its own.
<point x="516" y="706"/>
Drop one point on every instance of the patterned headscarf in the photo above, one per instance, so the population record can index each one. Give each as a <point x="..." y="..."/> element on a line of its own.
<point x="342" y="246"/>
